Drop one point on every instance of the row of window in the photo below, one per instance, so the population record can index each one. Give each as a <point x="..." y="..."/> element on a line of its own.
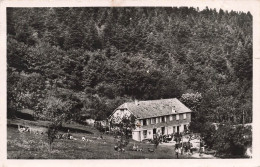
<point x="163" y="131"/>
<point x="160" y="119"/>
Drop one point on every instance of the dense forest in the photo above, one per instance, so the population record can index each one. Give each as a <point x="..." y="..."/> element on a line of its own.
<point x="71" y="62"/>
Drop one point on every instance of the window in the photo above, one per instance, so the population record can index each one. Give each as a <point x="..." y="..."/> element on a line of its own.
<point x="145" y="133"/>
<point x="144" y="122"/>
<point x="157" y="120"/>
<point x="163" y="119"/>
<point x="184" y="116"/>
<point x="171" y="117"/>
<point x="177" y="117"/>
<point x="153" y="120"/>
<point x="185" y="128"/>
<point x="160" y="119"/>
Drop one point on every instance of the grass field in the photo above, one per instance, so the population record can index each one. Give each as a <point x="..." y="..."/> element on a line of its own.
<point x="34" y="146"/>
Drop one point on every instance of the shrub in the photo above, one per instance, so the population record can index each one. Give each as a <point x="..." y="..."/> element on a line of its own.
<point x="231" y="140"/>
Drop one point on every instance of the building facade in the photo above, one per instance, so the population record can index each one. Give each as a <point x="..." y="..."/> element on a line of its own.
<point x="165" y="116"/>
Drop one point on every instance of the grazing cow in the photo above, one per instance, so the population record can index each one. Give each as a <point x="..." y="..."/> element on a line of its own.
<point x="140" y="149"/>
<point x="135" y="147"/>
<point x="21" y="130"/>
<point x="83" y="138"/>
<point x="88" y="140"/>
<point x="116" y="148"/>
<point x="100" y="137"/>
<point x="65" y="136"/>
<point x="58" y="136"/>
<point x="150" y="150"/>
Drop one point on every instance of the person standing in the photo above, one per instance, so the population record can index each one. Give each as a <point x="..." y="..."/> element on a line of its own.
<point x="177" y="150"/>
<point x="201" y="150"/>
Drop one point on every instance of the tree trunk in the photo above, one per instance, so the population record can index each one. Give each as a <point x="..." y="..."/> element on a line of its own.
<point x="50" y="146"/>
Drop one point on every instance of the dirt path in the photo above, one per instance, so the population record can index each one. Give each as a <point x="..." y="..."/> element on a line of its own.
<point x="203" y="156"/>
<point x="185" y="155"/>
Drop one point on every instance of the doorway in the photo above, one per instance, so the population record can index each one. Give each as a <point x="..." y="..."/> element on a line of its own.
<point x="154" y="131"/>
<point x="163" y="130"/>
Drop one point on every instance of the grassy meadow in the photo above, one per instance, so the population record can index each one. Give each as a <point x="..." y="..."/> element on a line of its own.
<point x="27" y="145"/>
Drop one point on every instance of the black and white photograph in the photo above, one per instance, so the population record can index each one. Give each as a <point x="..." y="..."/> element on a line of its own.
<point x="129" y="82"/>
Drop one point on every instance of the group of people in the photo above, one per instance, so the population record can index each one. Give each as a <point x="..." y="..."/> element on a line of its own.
<point x="64" y="136"/>
<point x="187" y="147"/>
<point x="163" y="138"/>
<point x="166" y="138"/>
<point x="184" y="147"/>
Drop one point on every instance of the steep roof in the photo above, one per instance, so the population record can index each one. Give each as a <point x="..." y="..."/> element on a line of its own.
<point x="155" y="108"/>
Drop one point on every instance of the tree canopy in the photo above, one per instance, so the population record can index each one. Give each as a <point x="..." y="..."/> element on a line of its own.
<point x="94" y="59"/>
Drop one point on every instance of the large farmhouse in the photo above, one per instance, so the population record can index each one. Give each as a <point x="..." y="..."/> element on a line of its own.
<point x="165" y="116"/>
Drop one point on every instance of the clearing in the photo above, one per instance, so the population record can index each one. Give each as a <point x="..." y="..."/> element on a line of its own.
<point x="25" y="145"/>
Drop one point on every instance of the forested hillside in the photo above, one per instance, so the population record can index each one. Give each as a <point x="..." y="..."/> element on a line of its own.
<point x="88" y="61"/>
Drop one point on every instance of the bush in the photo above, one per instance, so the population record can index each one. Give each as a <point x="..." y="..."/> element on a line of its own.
<point x="208" y="134"/>
<point x="231" y="140"/>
